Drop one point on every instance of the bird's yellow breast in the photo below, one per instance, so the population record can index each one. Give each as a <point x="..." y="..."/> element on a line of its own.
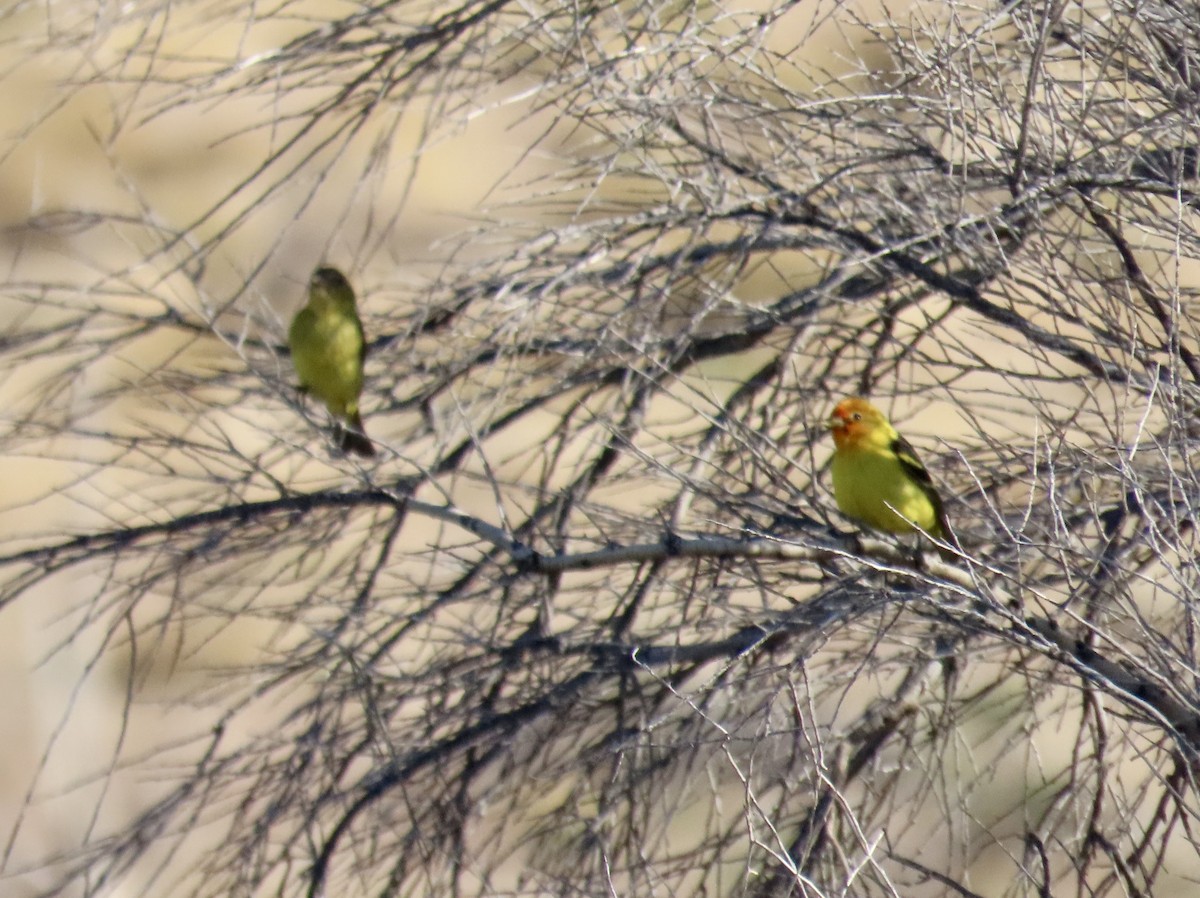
<point x="872" y="486"/>
<point x="327" y="351"/>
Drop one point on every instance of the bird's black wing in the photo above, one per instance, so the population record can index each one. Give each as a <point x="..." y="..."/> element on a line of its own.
<point x="912" y="465"/>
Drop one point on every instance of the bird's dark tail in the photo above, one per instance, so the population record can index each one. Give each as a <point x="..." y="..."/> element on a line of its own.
<point x="945" y="534"/>
<point x="353" y="438"/>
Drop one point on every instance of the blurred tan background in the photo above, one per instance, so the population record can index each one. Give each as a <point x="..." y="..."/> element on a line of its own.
<point x="86" y="134"/>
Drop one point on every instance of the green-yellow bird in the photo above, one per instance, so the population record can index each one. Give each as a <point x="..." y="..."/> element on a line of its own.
<point x="327" y="345"/>
<point x="878" y="480"/>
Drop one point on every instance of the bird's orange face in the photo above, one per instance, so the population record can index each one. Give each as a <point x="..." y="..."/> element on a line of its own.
<point x="853" y="420"/>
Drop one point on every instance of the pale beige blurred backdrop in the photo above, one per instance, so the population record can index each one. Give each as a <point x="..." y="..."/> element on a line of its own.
<point x="87" y="132"/>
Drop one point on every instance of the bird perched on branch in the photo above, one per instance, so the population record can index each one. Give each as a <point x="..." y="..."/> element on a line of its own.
<point x="327" y="346"/>
<point x="878" y="480"/>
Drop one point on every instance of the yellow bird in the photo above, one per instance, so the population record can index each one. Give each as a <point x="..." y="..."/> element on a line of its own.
<point x="878" y="480"/>
<point x="327" y="346"/>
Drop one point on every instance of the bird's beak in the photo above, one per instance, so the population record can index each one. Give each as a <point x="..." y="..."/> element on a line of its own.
<point x="835" y="423"/>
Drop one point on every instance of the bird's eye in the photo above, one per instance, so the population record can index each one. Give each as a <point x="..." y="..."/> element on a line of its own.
<point x="857" y="416"/>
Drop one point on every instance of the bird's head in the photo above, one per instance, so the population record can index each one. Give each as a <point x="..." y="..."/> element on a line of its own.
<point x="331" y="284"/>
<point x="855" y="421"/>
